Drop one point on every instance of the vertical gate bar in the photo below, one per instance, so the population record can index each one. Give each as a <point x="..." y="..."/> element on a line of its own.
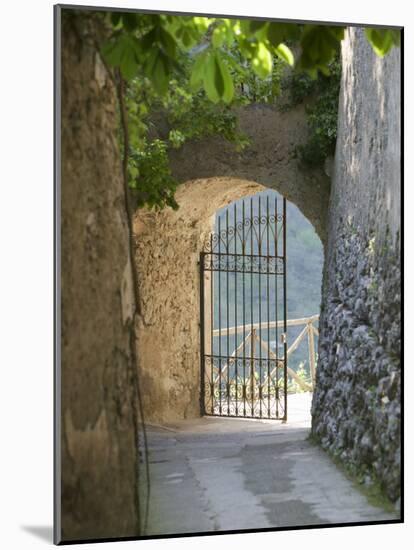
<point x="260" y="260"/>
<point x="219" y="308"/>
<point x="276" y="313"/>
<point x="211" y="325"/>
<point x="268" y="306"/>
<point x="260" y="308"/>
<point x="252" y="349"/>
<point x="284" y="306"/>
<point x="244" y="310"/>
<point x="227" y="312"/>
<point x="236" y="343"/>
<point x="202" y="328"/>
<point x="251" y="301"/>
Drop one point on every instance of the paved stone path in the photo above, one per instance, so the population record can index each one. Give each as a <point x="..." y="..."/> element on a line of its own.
<point x="216" y="474"/>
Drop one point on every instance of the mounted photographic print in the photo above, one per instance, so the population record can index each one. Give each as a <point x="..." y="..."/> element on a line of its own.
<point x="228" y="274"/>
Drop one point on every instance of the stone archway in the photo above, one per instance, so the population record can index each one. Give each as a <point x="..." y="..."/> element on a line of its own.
<point x="168" y="245"/>
<point x="271" y="159"/>
<point x="213" y="174"/>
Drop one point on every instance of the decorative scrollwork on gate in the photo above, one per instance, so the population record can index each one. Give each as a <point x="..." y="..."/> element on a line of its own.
<point x="245" y="235"/>
<point x="244" y="387"/>
<point x="243" y="298"/>
<point x="243" y="264"/>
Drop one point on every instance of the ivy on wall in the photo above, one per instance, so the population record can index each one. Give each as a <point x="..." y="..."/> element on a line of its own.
<point x="321" y="95"/>
<point x="196" y="68"/>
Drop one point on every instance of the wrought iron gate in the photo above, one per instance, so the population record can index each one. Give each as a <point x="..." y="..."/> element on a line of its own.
<point x="243" y="312"/>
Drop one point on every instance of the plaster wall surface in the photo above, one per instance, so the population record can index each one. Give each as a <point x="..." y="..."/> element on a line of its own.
<point x="168" y="245"/>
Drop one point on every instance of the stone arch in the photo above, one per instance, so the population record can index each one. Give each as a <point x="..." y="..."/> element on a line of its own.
<point x="168" y="245"/>
<point x="212" y="174"/>
<point x="271" y="159"/>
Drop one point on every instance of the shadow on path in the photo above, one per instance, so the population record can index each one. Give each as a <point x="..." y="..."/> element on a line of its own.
<point x="219" y="474"/>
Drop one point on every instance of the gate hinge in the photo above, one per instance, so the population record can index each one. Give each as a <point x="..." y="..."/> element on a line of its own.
<point x="283" y="337"/>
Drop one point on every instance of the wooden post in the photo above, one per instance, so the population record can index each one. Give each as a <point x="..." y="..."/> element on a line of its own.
<point x="311" y="345"/>
<point x="252" y="337"/>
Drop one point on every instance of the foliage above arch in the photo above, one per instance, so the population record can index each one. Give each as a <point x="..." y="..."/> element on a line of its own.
<point x="153" y="43"/>
<point x="196" y="68"/>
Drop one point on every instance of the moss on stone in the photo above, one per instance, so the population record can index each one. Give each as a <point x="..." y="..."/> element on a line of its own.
<point x="373" y="492"/>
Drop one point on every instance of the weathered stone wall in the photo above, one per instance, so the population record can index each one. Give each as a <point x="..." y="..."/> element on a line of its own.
<point x="99" y="462"/>
<point x="356" y="405"/>
<point x="168" y="246"/>
<point x="269" y="160"/>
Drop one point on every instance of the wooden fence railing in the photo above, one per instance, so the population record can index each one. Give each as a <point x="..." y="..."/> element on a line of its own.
<point x="253" y="340"/>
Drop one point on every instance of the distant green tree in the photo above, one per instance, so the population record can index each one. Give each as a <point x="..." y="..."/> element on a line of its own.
<point x="189" y="64"/>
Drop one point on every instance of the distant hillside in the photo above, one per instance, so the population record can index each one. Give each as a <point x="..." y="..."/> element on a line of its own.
<point x="304" y="275"/>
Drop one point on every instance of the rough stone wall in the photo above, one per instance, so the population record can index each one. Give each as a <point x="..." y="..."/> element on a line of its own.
<point x="356" y="405"/>
<point x="168" y="246"/>
<point x="98" y="391"/>
<point x="269" y="160"/>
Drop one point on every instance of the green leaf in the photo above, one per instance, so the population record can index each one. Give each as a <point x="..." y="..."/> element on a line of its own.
<point x="187" y="38"/>
<point x="381" y="40"/>
<point x="202" y="23"/>
<point x="257" y="25"/>
<point x="133" y="171"/>
<point x="219" y="35"/>
<point x="262" y="62"/>
<point x="228" y="92"/>
<point x="158" y="69"/>
<point x="148" y="40"/>
<point x="276" y="33"/>
<point x="247" y="48"/>
<point x="112" y="52"/>
<point x="229" y="33"/>
<point x="160" y="75"/>
<point x="245" y="27"/>
<point x="197" y="73"/>
<point x="337" y="32"/>
<point x="176" y="138"/>
<point x="319" y="45"/>
<point x="167" y="41"/>
<point x="123" y="52"/>
<point x="286" y="54"/>
<point x="396" y="36"/>
<point x="128" y="65"/>
<point x="115" y="18"/>
<point x="209" y="78"/>
<point x="130" y="21"/>
<point x="218" y="77"/>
